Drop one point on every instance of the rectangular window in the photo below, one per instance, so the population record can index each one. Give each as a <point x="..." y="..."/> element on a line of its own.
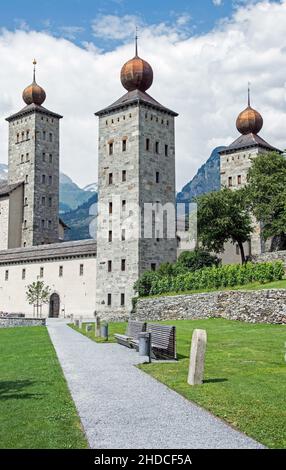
<point x="153" y="266"/>
<point x="27" y="157"/>
<point x="123" y="176"/>
<point x="25" y="201"/>
<point x="124" y="145"/>
<point x="51" y="158"/>
<point x="123" y="265"/>
<point x="123" y="205"/>
<point x="157" y="147"/>
<point x="148" y="144"/>
<point x="26" y="179"/>
<point x="51" y="137"/>
<point x="110" y="178"/>
<point x="110" y="146"/>
<point x="122" y="300"/>
<point x="50" y="202"/>
<point x="157" y="177"/>
<point x="44" y="157"/>
<point x="50" y="224"/>
<point x="237" y="249"/>
<point x="43" y="201"/>
<point x="110" y="208"/>
<point x="110" y="236"/>
<point x="22" y="158"/>
<point x="41" y="272"/>
<point x="81" y="269"/>
<point x="25" y="224"/>
<point x="230" y="181"/>
<point x="44" y="135"/>
<point x="23" y="273"/>
<point x="109" y="265"/>
<point x="239" y="179"/>
<point x="166" y="150"/>
<point x="50" y="180"/>
<point x="43" y="179"/>
<point x="109" y="299"/>
<point x="6" y="275"/>
<point x="28" y="135"/>
<point x="61" y="271"/>
<point x="43" y="223"/>
<point x="123" y="235"/>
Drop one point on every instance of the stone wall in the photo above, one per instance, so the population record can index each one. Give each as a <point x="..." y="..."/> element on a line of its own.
<point x="271" y="256"/>
<point x="261" y="306"/>
<point x="15" y="322"/>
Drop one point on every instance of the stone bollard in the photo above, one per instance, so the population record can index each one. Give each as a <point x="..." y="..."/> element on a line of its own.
<point x="97" y="328"/>
<point x="197" y="359"/>
<point x="88" y="327"/>
<point x="80" y="322"/>
<point x="76" y="322"/>
<point x="72" y="320"/>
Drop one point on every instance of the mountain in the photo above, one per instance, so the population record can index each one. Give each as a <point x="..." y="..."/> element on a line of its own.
<point x="80" y="220"/>
<point x="71" y="195"/>
<point x="93" y="187"/>
<point x="3" y="171"/>
<point x="206" y="180"/>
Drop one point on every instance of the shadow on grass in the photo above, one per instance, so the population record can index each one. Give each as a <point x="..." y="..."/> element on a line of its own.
<point x="214" y="381"/>
<point x="17" y="390"/>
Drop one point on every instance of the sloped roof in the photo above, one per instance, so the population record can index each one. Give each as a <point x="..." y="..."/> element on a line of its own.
<point x="7" y="189"/>
<point x="33" y="108"/>
<point x="248" y="141"/>
<point x="74" y="249"/>
<point x="133" y="97"/>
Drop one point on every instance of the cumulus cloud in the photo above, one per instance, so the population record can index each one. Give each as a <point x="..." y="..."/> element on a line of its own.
<point x="115" y="27"/>
<point x="217" y="3"/>
<point x="204" y="78"/>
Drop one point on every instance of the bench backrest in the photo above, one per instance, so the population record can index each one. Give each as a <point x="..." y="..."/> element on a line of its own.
<point x="163" y="336"/>
<point x="134" y="328"/>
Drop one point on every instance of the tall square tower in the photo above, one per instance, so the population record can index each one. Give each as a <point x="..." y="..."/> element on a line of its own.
<point x="34" y="162"/>
<point x="136" y="174"/>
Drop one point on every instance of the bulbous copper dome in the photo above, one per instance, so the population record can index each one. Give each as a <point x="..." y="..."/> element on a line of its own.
<point x="136" y="74"/>
<point x="249" y="121"/>
<point x="34" y="93"/>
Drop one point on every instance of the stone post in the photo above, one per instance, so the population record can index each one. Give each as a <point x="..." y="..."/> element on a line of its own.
<point x="197" y="358"/>
<point x="97" y="328"/>
<point x="80" y="322"/>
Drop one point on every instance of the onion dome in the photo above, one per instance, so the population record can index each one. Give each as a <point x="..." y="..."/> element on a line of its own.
<point x="34" y="93"/>
<point x="249" y="121"/>
<point x="136" y="74"/>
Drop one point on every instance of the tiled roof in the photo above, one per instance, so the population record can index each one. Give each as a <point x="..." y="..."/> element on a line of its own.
<point x="6" y="189"/>
<point x="135" y="96"/>
<point x="248" y="141"/>
<point x="32" y="108"/>
<point x="74" y="249"/>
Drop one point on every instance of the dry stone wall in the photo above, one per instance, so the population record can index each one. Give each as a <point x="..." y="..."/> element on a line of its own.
<point x="15" y="322"/>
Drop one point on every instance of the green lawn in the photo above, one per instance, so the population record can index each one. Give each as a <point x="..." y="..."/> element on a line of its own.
<point x="245" y="375"/>
<point x="251" y="286"/>
<point x="36" y="409"/>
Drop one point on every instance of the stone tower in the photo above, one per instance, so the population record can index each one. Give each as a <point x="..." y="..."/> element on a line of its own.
<point x="136" y="174"/>
<point x="235" y="162"/>
<point x="34" y="162"/>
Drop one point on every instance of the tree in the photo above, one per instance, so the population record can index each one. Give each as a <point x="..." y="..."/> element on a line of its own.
<point x="197" y="259"/>
<point x="38" y="294"/>
<point x="266" y="191"/>
<point x="222" y="216"/>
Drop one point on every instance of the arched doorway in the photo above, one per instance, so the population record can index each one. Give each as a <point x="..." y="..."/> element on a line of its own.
<point x="54" y="310"/>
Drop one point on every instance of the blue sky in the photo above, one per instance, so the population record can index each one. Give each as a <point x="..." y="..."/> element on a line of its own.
<point x="73" y="18"/>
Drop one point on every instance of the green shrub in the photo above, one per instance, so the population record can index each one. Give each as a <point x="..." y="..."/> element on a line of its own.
<point x="155" y="283"/>
<point x="197" y="259"/>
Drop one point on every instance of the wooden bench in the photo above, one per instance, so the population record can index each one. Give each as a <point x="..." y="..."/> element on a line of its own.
<point x="132" y="333"/>
<point x="163" y="341"/>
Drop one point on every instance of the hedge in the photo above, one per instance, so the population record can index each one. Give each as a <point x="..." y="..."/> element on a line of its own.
<point x="213" y="277"/>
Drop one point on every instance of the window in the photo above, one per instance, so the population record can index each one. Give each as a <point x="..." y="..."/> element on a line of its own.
<point x="44" y="135"/>
<point x="81" y="269"/>
<point x="43" y="223"/>
<point x="110" y="148"/>
<point x="23" y="136"/>
<point x="61" y="271"/>
<point x="51" y="158"/>
<point x="41" y="272"/>
<point x="239" y="179"/>
<point x="124" y="145"/>
<point x="25" y="201"/>
<point x="51" y="137"/>
<point x="157" y="147"/>
<point x="148" y="144"/>
<point x="6" y="275"/>
<point x="109" y="299"/>
<point x="123" y="234"/>
<point x="22" y="158"/>
<point x="43" y="201"/>
<point x="25" y="224"/>
<point x="110" y="178"/>
<point x="123" y="205"/>
<point x="157" y="177"/>
<point x="230" y="181"/>
<point x="122" y="300"/>
<point x="123" y="176"/>
<point x="44" y="157"/>
<point x="18" y="138"/>
<point x="43" y="179"/>
<point x="23" y="273"/>
<point x="28" y="135"/>
<point x="110" y="236"/>
<point x="50" y="180"/>
<point x="27" y="157"/>
<point x="109" y="265"/>
<point x="26" y="179"/>
<point x="123" y="265"/>
<point x="24" y="244"/>
<point x="50" y="201"/>
<point x="49" y="224"/>
<point x="110" y="208"/>
<point x="153" y="266"/>
<point x="166" y="150"/>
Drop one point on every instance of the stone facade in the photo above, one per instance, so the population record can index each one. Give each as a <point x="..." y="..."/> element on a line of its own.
<point x="131" y="174"/>
<point x="34" y="160"/>
<point x="16" y="322"/>
<point x="4" y="222"/>
<point x="262" y="306"/>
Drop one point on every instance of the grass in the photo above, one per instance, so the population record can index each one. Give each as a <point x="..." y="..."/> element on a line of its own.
<point x="245" y="375"/>
<point x="251" y="286"/>
<point x="112" y="329"/>
<point x="36" y="409"/>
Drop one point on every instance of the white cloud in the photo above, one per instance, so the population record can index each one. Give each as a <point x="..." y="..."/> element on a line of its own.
<point x="204" y="78"/>
<point x="217" y="3"/>
<point x="70" y="32"/>
<point x="115" y="27"/>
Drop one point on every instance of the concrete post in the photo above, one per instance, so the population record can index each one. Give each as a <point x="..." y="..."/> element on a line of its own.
<point x="80" y="322"/>
<point x="197" y="357"/>
<point x="97" y="328"/>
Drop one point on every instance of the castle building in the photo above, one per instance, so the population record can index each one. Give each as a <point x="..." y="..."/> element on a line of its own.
<point x="136" y="182"/>
<point x="235" y="161"/>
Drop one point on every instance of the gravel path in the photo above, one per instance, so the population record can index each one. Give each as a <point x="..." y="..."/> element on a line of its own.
<point x="121" y="407"/>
